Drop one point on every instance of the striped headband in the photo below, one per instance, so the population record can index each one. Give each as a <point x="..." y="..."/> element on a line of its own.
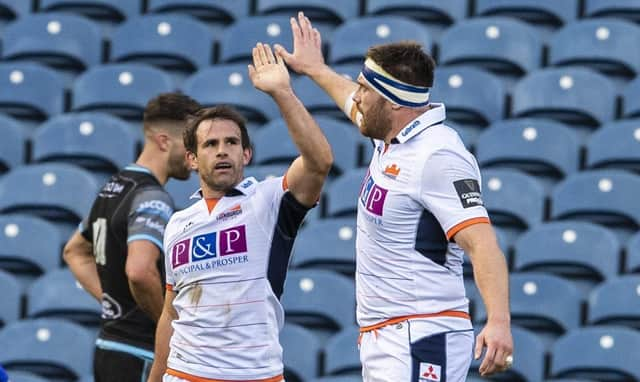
<point x="395" y="91"/>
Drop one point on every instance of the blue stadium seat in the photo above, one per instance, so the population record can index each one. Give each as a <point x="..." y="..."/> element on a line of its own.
<point x="120" y="89"/>
<point x="631" y="99"/>
<point x="54" y="190"/>
<point x="633" y="254"/>
<point x="319" y="299"/>
<point x="539" y="147"/>
<point x="94" y="141"/>
<point x="615" y="145"/>
<point x="173" y="42"/>
<point x="541" y="302"/>
<point x="471" y="95"/>
<point x="21" y="376"/>
<point x="317" y="10"/>
<point x="553" y="13"/>
<point x="341" y="355"/>
<point x="569" y="380"/>
<point x="341" y="195"/>
<point x="528" y="359"/>
<point x="12" y="9"/>
<point x="616" y="302"/>
<point x="55" y="349"/>
<point x="604" y="353"/>
<point x="301" y="352"/>
<point x="351" y="40"/>
<point x="13" y="144"/>
<point x="603" y="196"/>
<point x="429" y="11"/>
<point x="599" y="44"/>
<point x="182" y="190"/>
<point x="12" y="292"/>
<point x="112" y="11"/>
<point x="339" y="378"/>
<point x="57" y="294"/>
<point x="266" y="171"/>
<point x="620" y="9"/>
<point x="572" y="95"/>
<point x="328" y="244"/>
<point x="316" y="100"/>
<point x="213" y="11"/>
<point x="239" y="38"/>
<point x="512" y="198"/>
<point x="87" y="378"/>
<point x="230" y="84"/>
<point x="499" y="44"/>
<point x="30" y="91"/>
<point x="20" y="254"/>
<point x="578" y="250"/>
<point x="344" y="139"/>
<point x="55" y="39"/>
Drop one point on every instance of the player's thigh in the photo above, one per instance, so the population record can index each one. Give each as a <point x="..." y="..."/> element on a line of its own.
<point x="416" y="352"/>
<point x="112" y="366"/>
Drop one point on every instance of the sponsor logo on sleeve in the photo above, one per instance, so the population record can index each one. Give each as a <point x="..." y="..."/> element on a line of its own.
<point x="469" y="192"/>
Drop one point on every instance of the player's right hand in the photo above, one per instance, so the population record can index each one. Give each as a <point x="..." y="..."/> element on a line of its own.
<point x="307" y="47"/>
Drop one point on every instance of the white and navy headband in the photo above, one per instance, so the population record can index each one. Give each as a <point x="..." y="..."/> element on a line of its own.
<point x="394" y="90"/>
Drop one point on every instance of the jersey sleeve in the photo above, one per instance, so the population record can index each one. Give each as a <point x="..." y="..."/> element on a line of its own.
<point x="149" y="214"/>
<point x="450" y="190"/>
<point x="85" y="229"/>
<point x="284" y="210"/>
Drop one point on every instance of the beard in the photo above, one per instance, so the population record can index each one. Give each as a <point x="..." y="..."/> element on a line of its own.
<point x="178" y="168"/>
<point x="376" y="122"/>
<point x="219" y="182"/>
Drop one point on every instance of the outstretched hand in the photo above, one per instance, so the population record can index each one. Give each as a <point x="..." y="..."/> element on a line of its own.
<point x="307" y="47"/>
<point x="268" y="72"/>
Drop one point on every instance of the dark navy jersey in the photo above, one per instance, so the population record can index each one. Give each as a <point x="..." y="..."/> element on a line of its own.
<point x="131" y="206"/>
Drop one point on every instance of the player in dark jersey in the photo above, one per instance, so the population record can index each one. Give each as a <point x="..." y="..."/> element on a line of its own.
<point x="116" y="254"/>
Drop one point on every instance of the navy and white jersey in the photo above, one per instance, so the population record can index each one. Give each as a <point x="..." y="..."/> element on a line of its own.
<point x="419" y="191"/>
<point x="227" y="267"/>
<point x="131" y="206"/>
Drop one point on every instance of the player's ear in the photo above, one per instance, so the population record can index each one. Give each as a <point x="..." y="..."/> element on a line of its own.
<point x="192" y="159"/>
<point x="163" y="140"/>
<point x="246" y="155"/>
<point x="395" y="106"/>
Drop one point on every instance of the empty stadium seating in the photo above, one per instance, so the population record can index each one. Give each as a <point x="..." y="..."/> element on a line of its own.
<point x="111" y="11"/>
<point x="230" y="84"/>
<point x="498" y="44"/>
<point x="182" y="190"/>
<point x="11" y="299"/>
<point x="615" y="145"/>
<point x="341" y="195"/>
<point x="238" y="40"/>
<point x="301" y="352"/>
<point x="13" y="144"/>
<point x="327" y="244"/>
<point x="56" y="39"/>
<point x="472" y="96"/>
<point x="604" y="353"/>
<point x="633" y="254"/>
<point x="21" y="376"/>
<point x="341" y="353"/>
<point x="119" y="89"/>
<point x="319" y="11"/>
<point x="631" y="99"/>
<point x="624" y="9"/>
<point x="30" y="91"/>
<point x="212" y="11"/>
<point x="95" y="141"/>
<point x="173" y="42"/>
<point x="428" y="11"/>
<point x="12" y="9"/>
<point x="52" y="348"/>
<point x="616" y="302"/>
<point x="350" y="41"/>
<point x="551" y="13"/>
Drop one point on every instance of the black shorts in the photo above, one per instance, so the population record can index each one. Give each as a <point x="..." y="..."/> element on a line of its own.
<point x="114" y="366"/>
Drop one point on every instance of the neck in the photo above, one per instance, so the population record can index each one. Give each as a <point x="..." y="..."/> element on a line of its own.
<point x="208" y="193"/>
<point x="157" y="167"/>
<point x="402" y="119"/>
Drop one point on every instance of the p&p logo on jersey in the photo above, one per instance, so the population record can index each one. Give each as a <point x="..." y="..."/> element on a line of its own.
<point x="209" y="246"/>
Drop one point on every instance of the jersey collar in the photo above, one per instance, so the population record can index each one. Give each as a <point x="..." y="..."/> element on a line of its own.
<point x="434" y="116"/>
<point x="242" y="188"/>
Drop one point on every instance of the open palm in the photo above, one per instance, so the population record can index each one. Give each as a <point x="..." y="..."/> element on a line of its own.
<point x="268" y="72"/>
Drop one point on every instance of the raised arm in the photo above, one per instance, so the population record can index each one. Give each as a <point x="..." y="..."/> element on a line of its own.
<point x="308" y="172"/>
<point x="307" y="59"/>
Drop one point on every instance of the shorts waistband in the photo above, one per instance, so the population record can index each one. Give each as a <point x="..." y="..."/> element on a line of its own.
<point x="194" y="378"/>
<point x="124" y="348"/>
<point x="395" y="320"/>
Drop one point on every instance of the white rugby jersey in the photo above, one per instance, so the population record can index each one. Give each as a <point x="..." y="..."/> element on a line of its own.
<point x="228" y="269"/>
<point x="418" y="192"/>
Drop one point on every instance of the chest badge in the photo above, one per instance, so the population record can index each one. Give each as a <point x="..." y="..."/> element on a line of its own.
<point x="392" y="171"/>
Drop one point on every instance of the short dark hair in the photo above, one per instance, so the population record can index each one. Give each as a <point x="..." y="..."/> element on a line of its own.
<point x="176" y="107"/>
<point x="405" y="60"/>
<point x="224" y="112"/>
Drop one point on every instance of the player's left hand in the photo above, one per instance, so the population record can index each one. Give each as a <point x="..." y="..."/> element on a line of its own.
<point x="268" y="72"/>
<point x="496" y="338"/>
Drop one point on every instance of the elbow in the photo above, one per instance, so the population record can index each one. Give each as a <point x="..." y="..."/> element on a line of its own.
<point x="138" y="276"/>
<point x="68" y="254"/>
<point x="325" y="163"/>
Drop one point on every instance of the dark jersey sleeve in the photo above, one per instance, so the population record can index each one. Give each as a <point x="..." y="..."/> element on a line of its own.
<point x="149" y="214"/>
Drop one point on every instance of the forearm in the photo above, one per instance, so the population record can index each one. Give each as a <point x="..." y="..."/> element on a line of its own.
<point x="85" y="271"/>
<point x="164" y="331"/>
<point x="338" y="87"/>
<point x="492" y="279"/>
<point x="305" y="132"/>
<point x="147" y="293"/>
